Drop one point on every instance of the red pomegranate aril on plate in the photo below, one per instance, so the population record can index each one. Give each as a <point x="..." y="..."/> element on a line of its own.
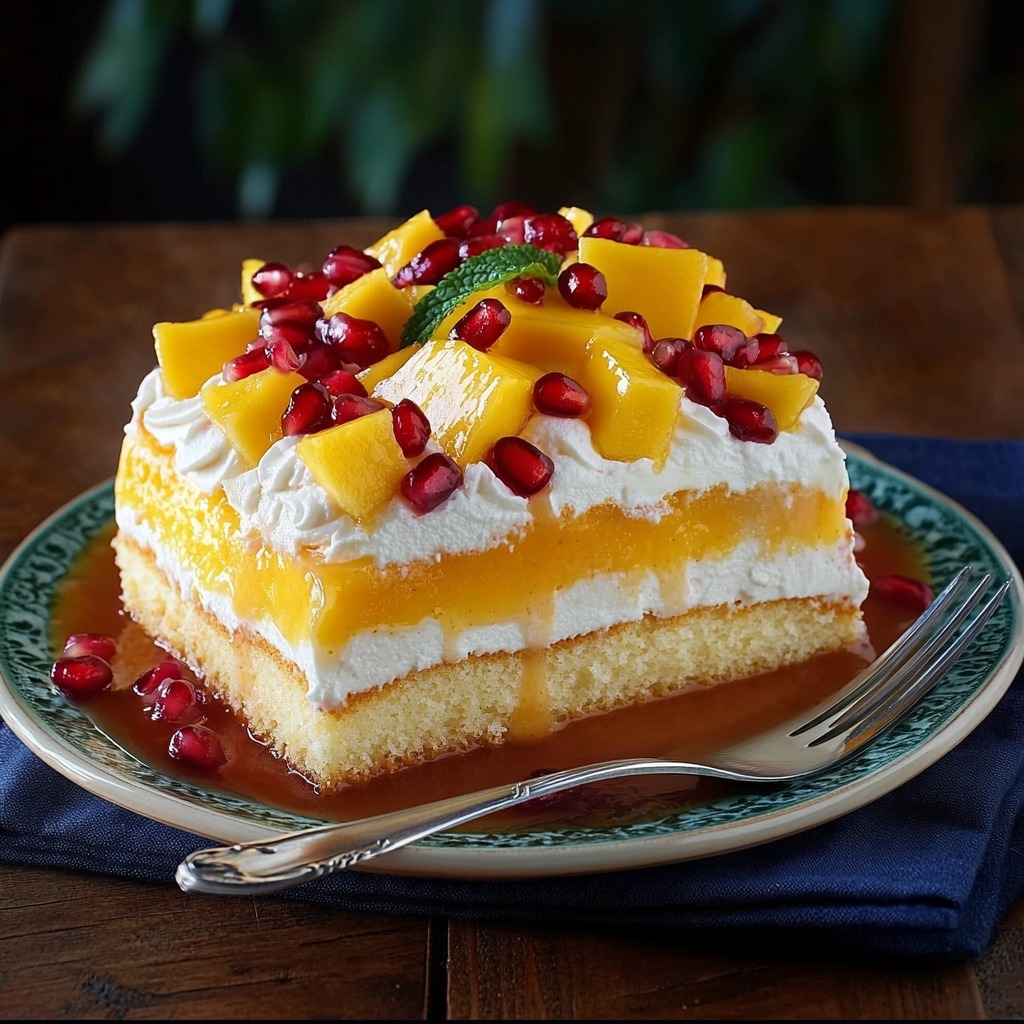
<point x="807" y="362"/>
<point x="913" y="594"/>
<point x="583" y="286"/>
<point x="474" y="246"/>
<point x="99" y="644"/>
<point x="663" y="240"/>
<point x="860" y="509"/>
<point x="309" y="410"/>
<point x="512" y="230"/>
<point x="282" y="356"/>
<point x="80" y="677"/>
<point x="411" y="426"/>
<point x="300" y="312"/>
<point x="309" y="285"/>
<point x="297" y="336"/>
<point x="346" y="264"/>
<point x="606" y="227"/>
<point x="246" y="364"/>
<point x="556" y="394"/>
<point x="357" y="341"/>
<point x="782" y="365"/>
<point x="746" y="356"/>
<point x="177" y="700"/>
<point x="430" y="264"/>
<point x="633" y="235"/>
<point x="483" y="325"/>
<point x="665" y="354"/>
<point x="640" y="323"/>
<point x="720" y="338"/>
<point x="199" y="747"/>
<point x="702" y="374"/>
<point x="512" y="208"/>
<point x="431" y="481"/>
<point x="351" y="407"/>
<point x="771" y="345"/>
<point x="150" y="680"/>
<point x="523" y="468"/>
<point x="748" y="420"/>
<point x="319" y="361"/>
<point x="550" y="231"/>
<point x="341" y="382"/>
<point x="272" y="279"/>
<point x="527" y="289"/>
<point x="459" y="221"/>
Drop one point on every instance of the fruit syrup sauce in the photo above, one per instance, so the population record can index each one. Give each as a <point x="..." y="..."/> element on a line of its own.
<point x="681" y="726"/>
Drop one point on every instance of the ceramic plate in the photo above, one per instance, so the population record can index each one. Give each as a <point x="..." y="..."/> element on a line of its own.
<point x="63" y="737"/>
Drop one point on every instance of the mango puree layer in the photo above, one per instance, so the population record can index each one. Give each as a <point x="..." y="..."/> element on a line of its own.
<point x="310" y="600"/>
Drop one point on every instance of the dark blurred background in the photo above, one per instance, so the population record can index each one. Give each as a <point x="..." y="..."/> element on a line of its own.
<point x="127" y="110"/>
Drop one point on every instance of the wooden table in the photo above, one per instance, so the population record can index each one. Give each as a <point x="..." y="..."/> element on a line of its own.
<point x="919" y="319"/>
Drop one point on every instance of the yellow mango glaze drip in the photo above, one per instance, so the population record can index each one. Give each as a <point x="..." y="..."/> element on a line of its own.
<point x="308" y="599"/>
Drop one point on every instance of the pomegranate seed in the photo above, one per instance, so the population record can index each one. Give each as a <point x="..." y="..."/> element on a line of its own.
<point x="148" y="681"/>
<point x="748" y="420"/>
<point x="341" y="382"/>
<point x="430" y="265"/>
<point x="474" y="246"/>
<point x="663" y="240"/>
<point x="503" y="211"/>
<point x="431" y="481"/>
<point x="702" y="374"/>
<point x="272" y="279"/>
<point x="458" y="222"/>
<point x="512" y="230"/>
<point x="282" y="356"/>
<point x="199" y="747"/>
<point x="555" y="394"/>
<point x="633" y="234"/>
<point x="412" y="428"/>
<point x="860" y="510"/>
<point x="177" y="700"/>
<point x="666" y="352"/>
<point x="583" y="286"/>
<point x="246" y="364"/>
<point x="747" y="355"/>
<point x="771" y="345"/>
<point x="709" y="288"/>
<point x="720" y="338"/>
<point x="523" y="468"/>
<point x="309" y="285"/>
<point x="903" y="590"/>
<point x="351" y="407"/>
<point x="606" y="227"/>
<point x="319" y="361"/>
<point x="807" y="362"/>
<point x="309" y="410"/>
<point x="783" y="365"/>
<point x="550" y="231"/>
<point x="637" y="321"/>
<point x="357" y="341"/>
<point x="80" y="677"/>
<point x="346" y="264"/>
<point x="527" y="289"/>
<point x="290" y="311"/>
<point x="483" y="325"/>
<point x="99" y="644"/>
<point x="295" y="336"/>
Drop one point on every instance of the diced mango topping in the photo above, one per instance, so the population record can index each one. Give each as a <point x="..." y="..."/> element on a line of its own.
<point x="579" y="218"/>
<point x="397" y="247"/>
<point x="471" y="398"/>
<point x="373" y="297"/>
<point x="634" y="405"/>
<point x="787" y="395"/>
<point x="191" y="352"/>
<point x="664" y="285"/>
<point x="771" y="321"/>
<point x="722" y="308"/>
<point x="249" y="410"/>
<point x="716" y="272"/>
<point x="358" y="463"/>
<point x="376" y="372"/>
<point x="249" y="292"/>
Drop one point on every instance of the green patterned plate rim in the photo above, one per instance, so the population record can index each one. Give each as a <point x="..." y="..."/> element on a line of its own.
<point x="67" y="740"/>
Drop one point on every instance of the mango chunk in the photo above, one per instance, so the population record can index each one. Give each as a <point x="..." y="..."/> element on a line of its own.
<point x="579" y="218"/>
<point x="716" y="272"/>
<point x="191" y="352"/>
<point x="376" y="372"/>
<point x="471" y="398"/>
<point x="249" y="410"/>
<point x="634" y="405"/>
<point x="663" y="284"/>
<point x="373" y="297"/>
<point x="787" y="395"/>
<point x="249" y="293"/>
<point x="358" y="463"/>
<point x="771" y="321"/>
<point x="723" y="308"/>
<point x="551" y="336"/>
<point x="397" y="247"/>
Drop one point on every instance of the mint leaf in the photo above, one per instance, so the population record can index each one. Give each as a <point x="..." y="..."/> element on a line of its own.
<point x="490" y="268"/>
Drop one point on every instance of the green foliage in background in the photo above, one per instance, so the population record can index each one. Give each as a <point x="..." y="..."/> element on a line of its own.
<point x="642" y="105"/>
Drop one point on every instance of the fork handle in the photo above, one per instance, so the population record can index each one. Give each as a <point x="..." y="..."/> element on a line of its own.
<point x="269" y="865"/>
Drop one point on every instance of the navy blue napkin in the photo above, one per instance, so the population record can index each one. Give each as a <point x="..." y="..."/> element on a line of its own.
<point x="929" y="870"/>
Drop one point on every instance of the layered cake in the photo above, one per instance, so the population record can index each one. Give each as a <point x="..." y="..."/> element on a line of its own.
<point x="488" y="475"/>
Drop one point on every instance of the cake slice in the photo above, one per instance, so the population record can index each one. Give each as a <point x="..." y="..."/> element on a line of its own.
<point x="553" y="475"/>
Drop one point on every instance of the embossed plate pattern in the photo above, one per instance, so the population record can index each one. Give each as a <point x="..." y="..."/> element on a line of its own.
<point x="63" y="737"/>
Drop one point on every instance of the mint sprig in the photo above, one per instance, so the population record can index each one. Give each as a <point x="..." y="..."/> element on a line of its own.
<point x="490" y="268"/>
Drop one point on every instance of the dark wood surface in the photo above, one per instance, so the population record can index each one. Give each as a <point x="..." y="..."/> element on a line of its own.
<point x="919" y="319"/>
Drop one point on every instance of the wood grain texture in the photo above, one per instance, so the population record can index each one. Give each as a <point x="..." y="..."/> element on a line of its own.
<point x="918" y="318"/>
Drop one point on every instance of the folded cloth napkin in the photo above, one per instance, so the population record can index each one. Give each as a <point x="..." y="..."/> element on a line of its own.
<point x="929" y="870"/>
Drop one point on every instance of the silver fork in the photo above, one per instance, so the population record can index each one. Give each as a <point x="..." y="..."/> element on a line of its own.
<point x="880" y="695"/>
